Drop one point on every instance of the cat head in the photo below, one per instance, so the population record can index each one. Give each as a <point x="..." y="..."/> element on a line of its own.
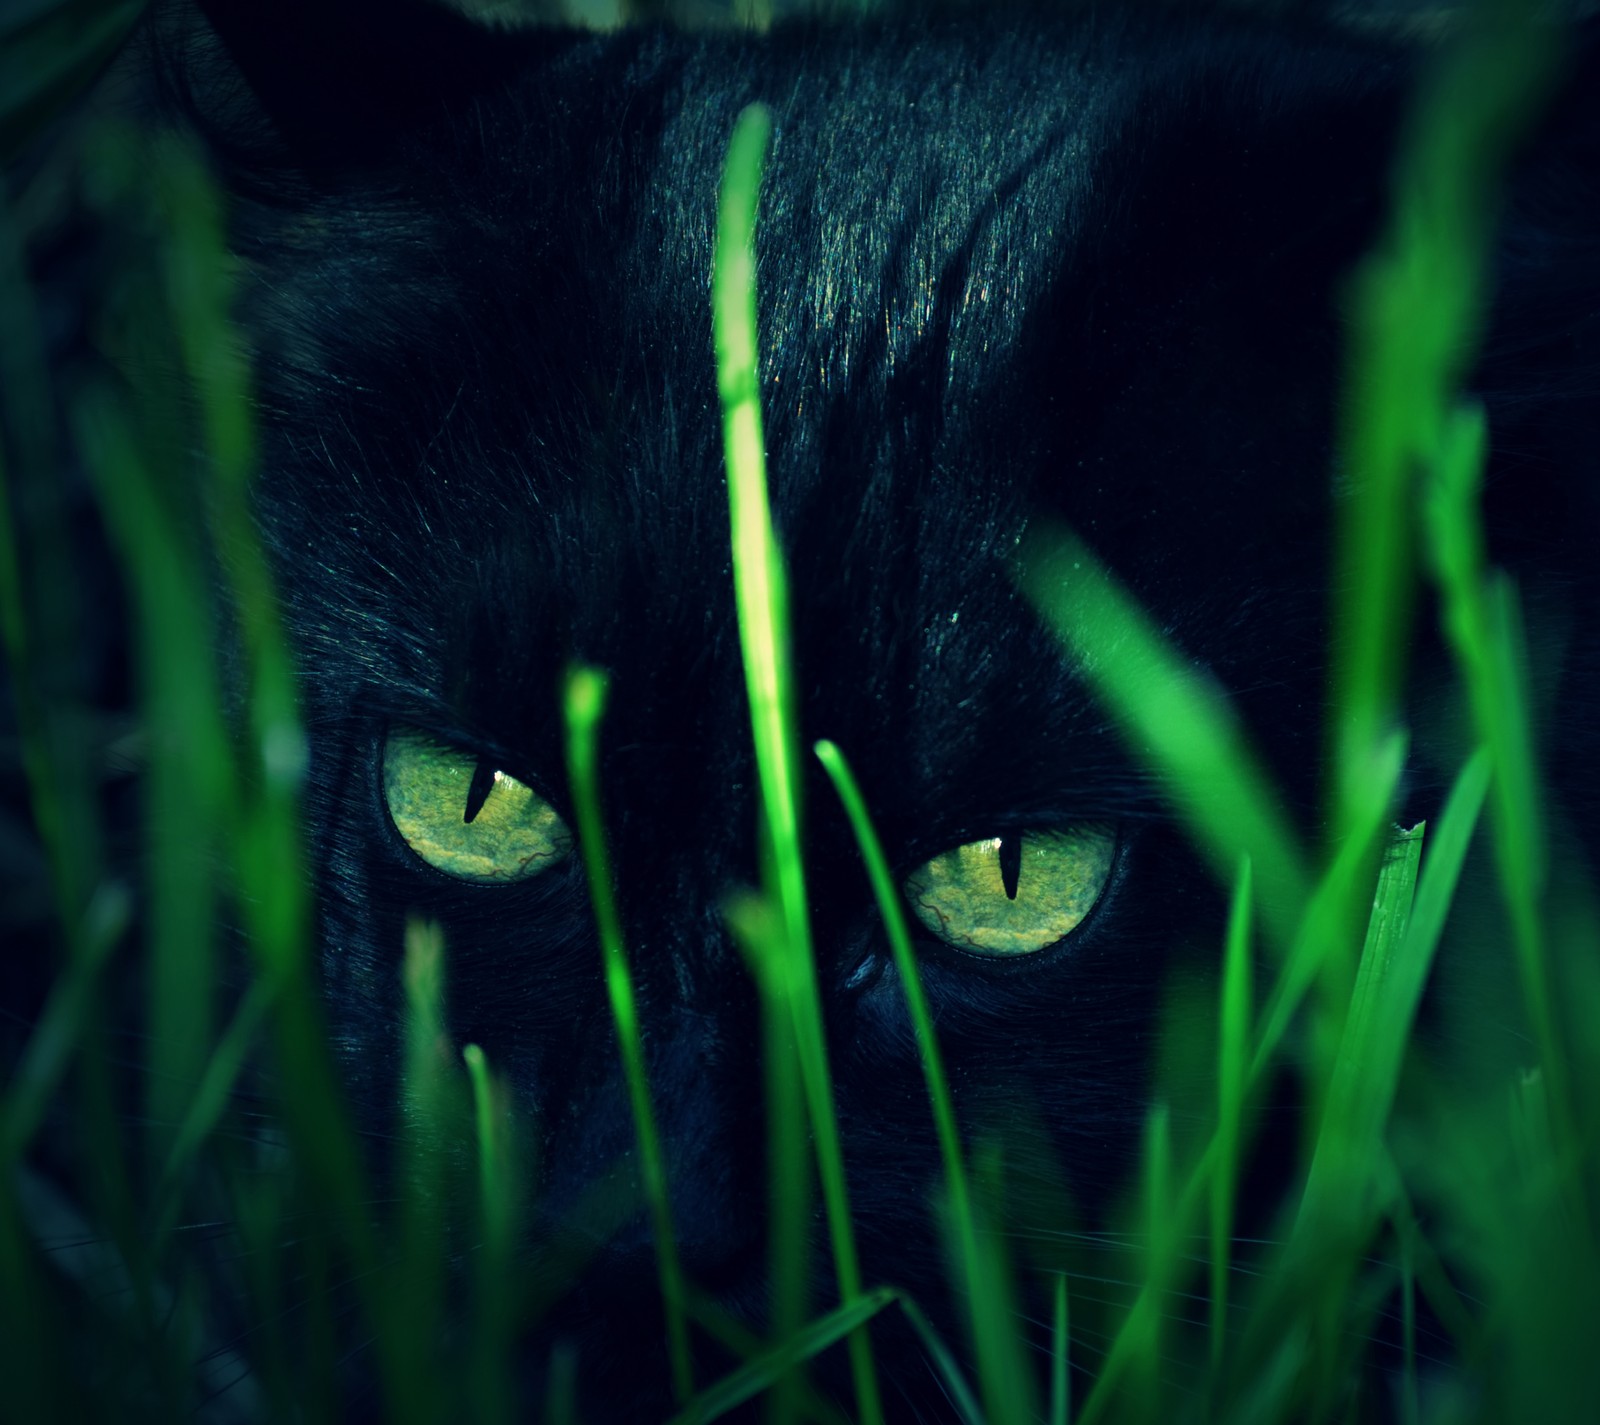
<point x="1075" y="271"/>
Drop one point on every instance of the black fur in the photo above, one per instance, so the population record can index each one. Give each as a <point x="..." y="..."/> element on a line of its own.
<point x="1088" y="267"/>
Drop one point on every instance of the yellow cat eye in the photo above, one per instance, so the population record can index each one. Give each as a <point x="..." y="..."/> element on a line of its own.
<point x="1013" y="895"/>
<point x="465" y="818"/>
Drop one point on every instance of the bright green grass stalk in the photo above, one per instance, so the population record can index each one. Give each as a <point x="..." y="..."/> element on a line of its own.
<point x="990" y="1306"/>
<point x="757" y="928"/>
<point x="892" y="912"/>
<point x="762" y="600"/>
<point x="585" y="705"/>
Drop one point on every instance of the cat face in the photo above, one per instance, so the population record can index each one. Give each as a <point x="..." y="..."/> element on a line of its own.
<point x="1082" y="272"/>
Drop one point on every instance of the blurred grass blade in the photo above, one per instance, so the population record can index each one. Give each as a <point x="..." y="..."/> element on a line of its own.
<point x="192" y="798"/>
<point x="215" y="1089"/>
<point x="50" y="52"/>
<point x="490" y="1380"/>
<point x="1173" y="718"/>
<point x="37" y="611"/>
<point x="1419" y="308"/>
<point x="585" y="705"/>
<point x="1132" y="1364"/>
<point x="428" y="1133"/>
<point x="762" y="601"/>
<point x="1233" y="1079"/>
<point x="1007" y="1383"/>
<point x="1481" y="623"/>
<point x="60" y="1027"/>
<point x="1060" y="1357"/>
<point x="198" y="274"/>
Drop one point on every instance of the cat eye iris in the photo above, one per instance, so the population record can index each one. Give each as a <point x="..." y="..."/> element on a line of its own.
<point x="1013" y="895"/>
<point x="465" y="818"/>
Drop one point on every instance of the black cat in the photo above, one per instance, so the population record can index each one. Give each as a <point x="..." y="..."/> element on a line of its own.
<point x="1086" y="267"/>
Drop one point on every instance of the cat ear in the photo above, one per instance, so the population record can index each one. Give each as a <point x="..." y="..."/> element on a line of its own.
<point x="327" y="82"/>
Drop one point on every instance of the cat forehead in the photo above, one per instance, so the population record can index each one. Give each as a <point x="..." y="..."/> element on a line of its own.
<point x="923" y="190"/>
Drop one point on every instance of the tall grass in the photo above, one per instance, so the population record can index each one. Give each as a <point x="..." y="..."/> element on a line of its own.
<point x="1462" y="1204"/>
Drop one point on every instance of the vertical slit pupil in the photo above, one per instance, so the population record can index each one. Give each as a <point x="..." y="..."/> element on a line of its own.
<point x="1010" y="864"/>
<point x="478" y="791"/>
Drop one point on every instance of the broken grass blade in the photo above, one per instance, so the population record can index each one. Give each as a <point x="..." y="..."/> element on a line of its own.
<point x="1337" y="1197"/>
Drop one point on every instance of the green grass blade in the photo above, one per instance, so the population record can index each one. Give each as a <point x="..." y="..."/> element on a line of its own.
<point x="49" y="54"/>
<point x="762" y="1373"/>
<point x="585" y="705"/>
<point x="762" y="601"/>
<point x="1233" y="1077"/>
<point x="58" y="790"/>
<point x="990" y="1302"/>
<point x="757" y="928"/>
<point x="1337" y="1196"/>
<point x="1178" y="722"/>
<point x="1420" y="303"/>
<point x="1134" y="1357"/>
<point x="490" y="1383"/>
<point x="215" y="1089"/>
<point x="1319" y="953"/>
<point x="416" y="1295"/>
<point x="1060" y="1357"/>
<point x="192" y="798"/>
<point x="892" y="912"/>
<point x="1481" y="623"/>
<point x="60" y="1027"/>
<point x="944" y="1362"/>
<point x="197" y="273"/>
